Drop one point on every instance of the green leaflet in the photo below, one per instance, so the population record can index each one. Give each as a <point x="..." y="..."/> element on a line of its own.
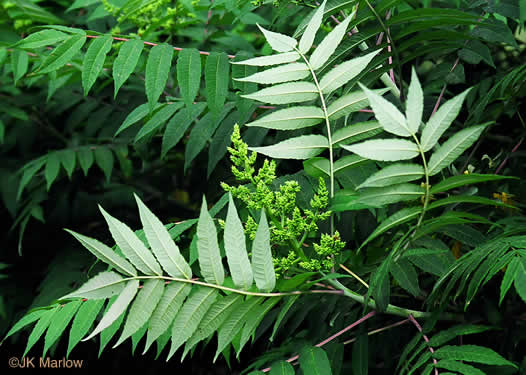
<point x="344" y="72"/>
<point x="208" y="248"/>
<point x="281" y="58"/>
<point x="472" y="353"/>
<point x="314" y="361"/>
<point x="310" y="31"/>
<point x="235" y="321"/>
<point x="29" y="169"/>
<point x="104" y="253"/>
<point x="117" y="309"/>
<point x="414" y="103"/>
<point x="24" y="321"/>
<point x="279" y="42"/>
<point x="59" y="323"/>
<point x="68" y="159"/>
<point x="40" y="327"/>
<point x="290" y="118"/>
<point x="133" y="117"/>
<point x="459" y="367"/>
<point x="142" y="308"/>
<point x="94" y="61"/>
<point x="125" y="63"/>
<point x="520" y="279"/>
<point x="157" y="120"/>
<point x="178" y="125"/>
<point x="167" y="308"/>
<point x="285" y="93"/>
<point x="385" y="149"/>
<point x="282" y="368"/>
<point x="349" y="103"/>
<point x="303" y="147"/>
<point x="378" y="197"/>
<point x="189" y="74"/>
<point x="42" y="38"/>
<point x="217" y="77"/>
<point x="162" y="245"/>
<point x="327" y="47"/>
<point x="63" y="53"/>
<point x="405" y="274"/>
<point x="104" y="285"/>
<point x="441" y="120"/>
<point x="132" y="247"/>
<point x="356" y="132"/>
<point x="52" y="168"/>
<point x="464" y="179"/>
<point x="83" y="321"/>
<point x="280" y="74"/>
<point x="453" y="148"/>
<point x="104" y="159"/>
<point x="202" y="132"/>
<point x="509" y="276"/>
<point x="19" y="64"/>
<point x="191" y="314"/>
<point x="86" y="159"/>
<point x="255" y="317"/>
<point x="157" y="70"/>
<point x="262" y="265"/>
<point x="107" y="334"/>
<point x="392" y="120"/>
<point x="394" y="174"/>
<point x="235" y="248"/>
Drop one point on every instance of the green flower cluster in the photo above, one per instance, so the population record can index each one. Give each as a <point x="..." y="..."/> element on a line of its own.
<point x="290" y="226"/>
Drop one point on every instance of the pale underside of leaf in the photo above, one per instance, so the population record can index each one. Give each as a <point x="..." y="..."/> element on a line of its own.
<point x="349" y="103"/>
<point x="104" y="253"/>
<point x="394" y="174"/>
<point x="290" y="118"/>
<point x="329" y="44"/>
<point x="262" y="265"/>
<point x="117" y="309"/>
<point x="385" y="149"/>
<point x="104" y="285"/>
<point x="310" y="31"/>
<point x="344" y="72"/>
<point x="132" y="247"/>
<point x="292" y="92"/>
<point x="303" y="147"/>
<point x="387" y="114"/>
<point x="236" y="250"/>
<point x="162" y="245"/>
<point x="356" y="132"/>
<point x="414" y="104"/>
<point x="441" y="121"/>
<point x="283" y="73"/>
<point x="280" y="58"/>
<point x="279" y="42"/>
<point x="208" y="248"/>
<point x="453" y="148"/>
